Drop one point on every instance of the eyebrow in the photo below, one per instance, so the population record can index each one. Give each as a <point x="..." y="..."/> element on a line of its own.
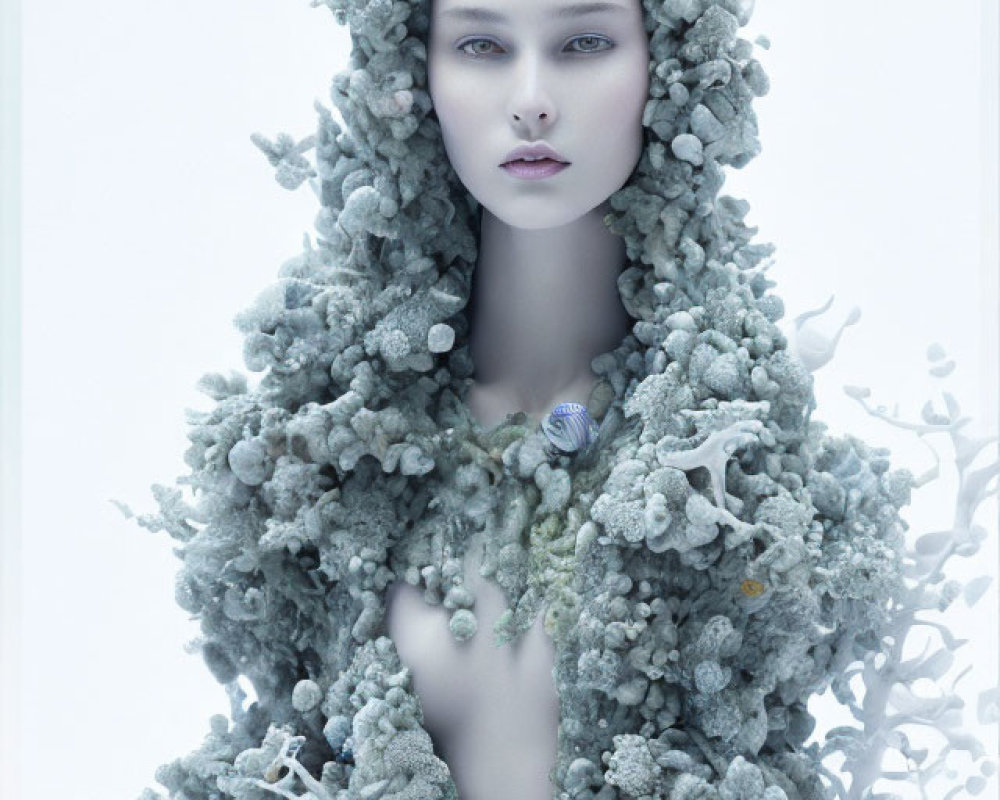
<point x="565" y="12"/>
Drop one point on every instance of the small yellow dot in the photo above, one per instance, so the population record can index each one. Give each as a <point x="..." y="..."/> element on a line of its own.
<point x="752" y="588"/>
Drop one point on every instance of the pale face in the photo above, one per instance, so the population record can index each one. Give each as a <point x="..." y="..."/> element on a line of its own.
<point x="575" y="83"/>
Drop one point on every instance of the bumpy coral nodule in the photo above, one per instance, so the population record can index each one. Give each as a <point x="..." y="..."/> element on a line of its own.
<point x="690" y="565"/>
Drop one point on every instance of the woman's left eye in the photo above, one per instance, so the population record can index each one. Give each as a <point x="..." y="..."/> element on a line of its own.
<point x="593" y="39"/>
<point x="590" y="45"/>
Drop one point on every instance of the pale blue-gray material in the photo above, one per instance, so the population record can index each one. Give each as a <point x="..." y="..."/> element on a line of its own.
<point x="714" y="562"/>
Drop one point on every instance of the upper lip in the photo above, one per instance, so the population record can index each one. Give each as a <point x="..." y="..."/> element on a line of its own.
<point x="534" y="150"/>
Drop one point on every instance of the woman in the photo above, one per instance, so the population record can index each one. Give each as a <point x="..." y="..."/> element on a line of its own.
<point x="544" y="303"/>
<point x="471" y="422"/>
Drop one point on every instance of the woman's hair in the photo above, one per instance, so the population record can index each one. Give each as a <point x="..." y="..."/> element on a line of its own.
<point x="353" y="463"/>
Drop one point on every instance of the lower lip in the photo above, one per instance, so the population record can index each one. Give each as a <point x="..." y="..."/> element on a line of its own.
<point x="534" y="170"/>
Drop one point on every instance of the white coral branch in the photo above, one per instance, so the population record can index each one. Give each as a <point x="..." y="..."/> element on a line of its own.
<point x="287" y="758"/>
<point x="714" y="452"/>
<point x="890" y="682"/>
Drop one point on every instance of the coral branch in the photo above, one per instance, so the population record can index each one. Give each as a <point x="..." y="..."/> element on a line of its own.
<point x="891" y="682"/>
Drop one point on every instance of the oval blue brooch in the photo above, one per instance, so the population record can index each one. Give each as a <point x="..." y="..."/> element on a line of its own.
<point x="569" y="427"/>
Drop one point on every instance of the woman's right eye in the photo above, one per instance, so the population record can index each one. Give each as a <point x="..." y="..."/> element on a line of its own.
<point x="476" y="52"/>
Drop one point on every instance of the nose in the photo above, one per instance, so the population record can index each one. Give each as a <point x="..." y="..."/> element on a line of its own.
<point x="531" y="109"/>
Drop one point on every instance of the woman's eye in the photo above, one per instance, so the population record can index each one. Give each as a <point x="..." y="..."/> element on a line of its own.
<point x="476" y="51"/>
<point x="590" y="44"/>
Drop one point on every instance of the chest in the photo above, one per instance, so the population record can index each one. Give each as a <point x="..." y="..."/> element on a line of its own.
<point x="454" y="679"/>
<point x="478" y="698"/>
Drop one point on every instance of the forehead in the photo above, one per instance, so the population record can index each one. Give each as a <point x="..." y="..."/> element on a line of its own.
<point x="506" y="11"/>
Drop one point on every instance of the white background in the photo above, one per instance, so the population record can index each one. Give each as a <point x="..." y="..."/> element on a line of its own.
<point x="150" y="220"/>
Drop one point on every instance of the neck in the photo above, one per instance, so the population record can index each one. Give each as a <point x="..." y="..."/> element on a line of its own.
<point x="544" y="303"/>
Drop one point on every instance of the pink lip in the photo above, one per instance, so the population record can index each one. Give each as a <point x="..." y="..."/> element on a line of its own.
<point x="534" y="170"/>
<point x="533" y="150"/>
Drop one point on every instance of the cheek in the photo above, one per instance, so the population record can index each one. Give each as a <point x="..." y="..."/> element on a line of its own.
<point x="615" y="117"/>
<point x="616" y="114"/>
<point x="461" y="123"/>
<point x="618" y="96"/>
<point x="635" y="91"/>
